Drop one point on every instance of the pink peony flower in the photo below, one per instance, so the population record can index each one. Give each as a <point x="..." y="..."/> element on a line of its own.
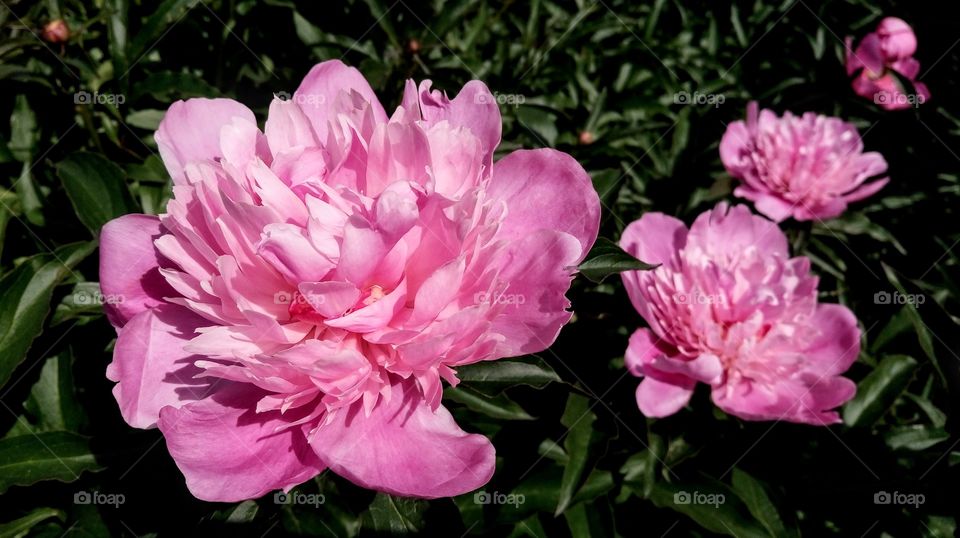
<point x="809" y="167"/>
<point x="310" y="285"/>
<point x="880" y="58"/>
<point x="730" y="308"/>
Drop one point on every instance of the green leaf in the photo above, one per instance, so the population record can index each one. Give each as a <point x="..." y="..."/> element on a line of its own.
<point x="578" y="418"/>
<point x="96" y="188"/>
<point x="25" y="295"/>
<point x="758" y="503"/>
<point x="23" y="130"/>
<point x="714" y="507"/>
<point x="640" y="470"/>
<point x="21" y="526"/>
<point x="29" y="459"/>
<point x="9" y="207"/>
<point x="597" y="484"/>
<point x="395" y="515"/>
<point x="148" y="119"/>
<point x="923" y="333"/>
<point x="169" y="12"/>
<point x="607" y="258"/>
<point x="52" y="404"/>
<point x="85" y="302"/>
<point x="492" y="377"/>
<point x="877" y="392"/>
<point x="168" y="85"/>
<point x="499" y="406"/>
<point x="239" y="514"/>
<point x="117" y="30"/>
<point x="540" y="122"/>
<point x="28" y="196"/>
<point x="916" y="437"/>
<point x="380" y="14"/>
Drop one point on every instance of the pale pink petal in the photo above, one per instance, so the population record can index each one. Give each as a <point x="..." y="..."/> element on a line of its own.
<point x="654" y="238"/>
<point x="288" y="127"/>
<point x="151" y="367"/>
<point x="330" y="299"/>
<point x="286" y="248"/>
<point x="474" y="109"/>
<point x="229" y="453"/>
<point x="397" y="152"/>
<point x="190" y="132"/>
<point x="323" y="91"/>
<point x="658" y="399"/>
<point x="538" y="268"/>
<point x="130" y="267"/>
<point x="546" y="190"/>
<point x="897" y="38"/>
<point x="838" y="343"/>
<point x="403" y="448"/>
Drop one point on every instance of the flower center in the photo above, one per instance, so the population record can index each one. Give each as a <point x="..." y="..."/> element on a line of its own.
<point x="373" y="294"/>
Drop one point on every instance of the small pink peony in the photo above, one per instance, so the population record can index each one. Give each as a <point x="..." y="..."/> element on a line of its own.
<point x="880" y="58"/>
<point x="809" y="167"/>
<point x="730" y="308"/>
<point x="310" y="285"/>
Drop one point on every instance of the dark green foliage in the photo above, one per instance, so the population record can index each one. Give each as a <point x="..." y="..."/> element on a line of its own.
<point x="639" y="93"/>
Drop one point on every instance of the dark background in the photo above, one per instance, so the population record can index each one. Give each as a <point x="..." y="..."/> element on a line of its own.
<point x="596" y="79"/>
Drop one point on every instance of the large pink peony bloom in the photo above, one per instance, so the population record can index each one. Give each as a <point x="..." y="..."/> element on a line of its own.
<point x="809" y="167"/>
<point x="310" y="285"/>
<point x="880" y="60"/>
<point x="730" y="308"/>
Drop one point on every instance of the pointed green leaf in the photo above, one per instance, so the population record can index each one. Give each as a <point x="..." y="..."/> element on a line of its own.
<point x="96" y="187"/>
<point x="28" y="459"/>
<point x="607" y="258"/>
<point x="877" y="392"/>
<point x="25" y="295"/>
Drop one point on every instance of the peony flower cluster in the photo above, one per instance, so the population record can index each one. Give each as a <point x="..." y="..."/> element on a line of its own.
<point x="729" y="307"/>
<point x="881" y="60"/>
<point x="312" y="285"/>
<point x="808" y="167"/>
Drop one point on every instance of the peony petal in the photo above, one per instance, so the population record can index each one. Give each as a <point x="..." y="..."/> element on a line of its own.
<point x="321" y="94"/>
<point x="643" y="348"/>
<point x="287" y="127"/>
<point x="190" y="132"/>
<point x="659" y="399"/>
<point x="287" y="249"/>
<point x="151" y="367"/>
<point x="330" y="299"/>
<point x="404" y="448"/>
<point x="534" y="307"/>
<point x="546" y="190"/>
<point x="474" y="109"/>
<point x="130" y="267"/>
<point x="229" y="453"/>
<point x="655" y="238"/>
<point x="838" y="344"/>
